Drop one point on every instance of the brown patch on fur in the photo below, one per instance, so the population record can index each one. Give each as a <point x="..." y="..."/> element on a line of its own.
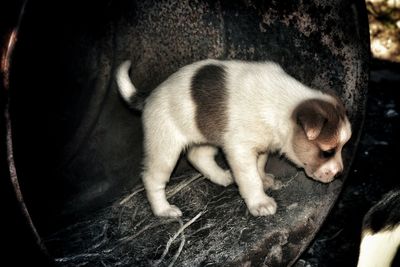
<point x="208" y="91"/>
<point x="320" y="118"/>
<point x="339" y="104"/>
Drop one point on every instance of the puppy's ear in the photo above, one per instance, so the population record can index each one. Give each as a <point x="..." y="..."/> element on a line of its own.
<point x="312" y="125"/>
<point x="311" y="117"/>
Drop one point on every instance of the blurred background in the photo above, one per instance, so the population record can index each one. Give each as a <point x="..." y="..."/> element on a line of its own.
<point x="375" y="169"/>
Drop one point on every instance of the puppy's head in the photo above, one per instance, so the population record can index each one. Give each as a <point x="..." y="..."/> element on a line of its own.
<point x="320" y="132"/>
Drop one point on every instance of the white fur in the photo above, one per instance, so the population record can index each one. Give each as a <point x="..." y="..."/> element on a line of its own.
<point x="261" y="99"/>
<point x="378" y="250"/>
<point x="125" y="86"/>
<point x="202" y="158"/>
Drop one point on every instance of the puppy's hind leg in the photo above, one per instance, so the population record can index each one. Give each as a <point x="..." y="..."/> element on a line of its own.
<point x="203" y="159"/>
<point x="160" y="159"/>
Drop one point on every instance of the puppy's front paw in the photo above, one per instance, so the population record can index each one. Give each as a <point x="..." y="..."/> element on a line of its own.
<point x="269" y="182"/>
<point x="264" y="207"/>
<point x="170" y="212"/>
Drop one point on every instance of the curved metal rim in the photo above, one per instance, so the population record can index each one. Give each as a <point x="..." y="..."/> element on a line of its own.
<point x="6" y="58"/>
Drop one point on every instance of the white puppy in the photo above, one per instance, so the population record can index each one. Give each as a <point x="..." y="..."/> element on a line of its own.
<point x="246" y="109"/>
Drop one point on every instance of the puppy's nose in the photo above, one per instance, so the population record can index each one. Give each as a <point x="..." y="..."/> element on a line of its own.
<point x="338" y="173"/>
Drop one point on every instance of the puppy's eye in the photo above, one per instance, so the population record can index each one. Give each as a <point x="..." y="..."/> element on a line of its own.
<point x="328" y="153"/>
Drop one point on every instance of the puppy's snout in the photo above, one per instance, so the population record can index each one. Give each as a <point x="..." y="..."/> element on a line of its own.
<point x="339" y="173"/>
<point x="329" y="172"/>
<point x="335" y="169"/>
<point x="339" y="170"/>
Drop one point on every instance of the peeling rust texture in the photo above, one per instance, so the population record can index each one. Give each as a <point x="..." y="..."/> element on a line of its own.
<point x="318" y="42"/>
<point x="322" y="43"/>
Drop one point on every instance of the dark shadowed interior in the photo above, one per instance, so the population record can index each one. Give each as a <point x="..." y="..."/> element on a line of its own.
<point x="78" y="148"/>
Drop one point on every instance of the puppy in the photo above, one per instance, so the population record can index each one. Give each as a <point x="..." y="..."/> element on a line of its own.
<point x="248" y="110"/>
<point x="381" y="233"/>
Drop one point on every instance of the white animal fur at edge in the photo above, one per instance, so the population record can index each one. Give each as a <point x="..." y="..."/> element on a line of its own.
<point x="379" y="249"/>
<point x="261" y="99"/>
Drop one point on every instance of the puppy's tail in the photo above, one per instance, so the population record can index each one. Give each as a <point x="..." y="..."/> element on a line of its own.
<point x="126" y="89"/>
